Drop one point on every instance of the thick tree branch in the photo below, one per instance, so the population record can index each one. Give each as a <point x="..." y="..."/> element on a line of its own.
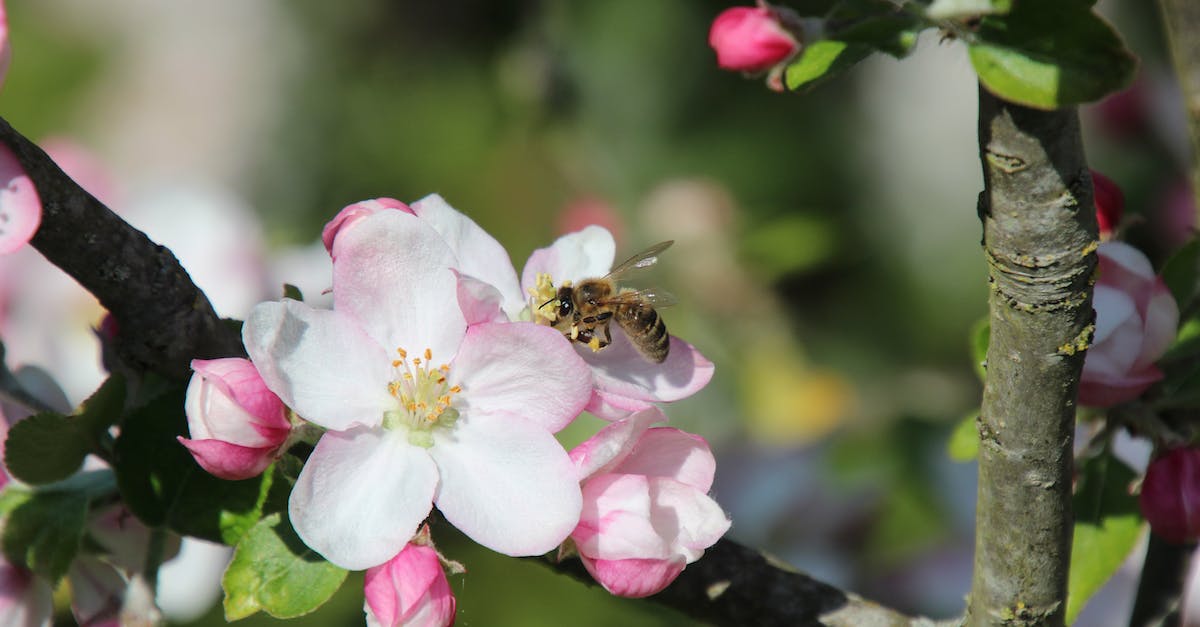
<point x="734" y="586"/>
<point x="1181" y="22"/>
<point x="164" y="320"/>
<point x="1039" y="235"/>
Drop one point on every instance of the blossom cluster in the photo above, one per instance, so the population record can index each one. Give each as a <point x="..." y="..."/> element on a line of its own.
<point x="437" y="380"/>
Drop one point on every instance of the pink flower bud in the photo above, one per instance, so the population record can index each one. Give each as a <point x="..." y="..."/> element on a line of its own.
<point x="410" y="590"/>
<point x="20" y="206"/>
<point x="751" y="39"/>
<point x="1170" y="498"/>
<point x="1110" y="203"/>
<point x="352" y="213"/>
<point x="1136" y="320"/>
<point x="646" y="509"/>
<point x="237" y="425"/>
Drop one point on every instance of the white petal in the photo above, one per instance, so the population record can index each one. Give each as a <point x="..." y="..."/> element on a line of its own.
<point x="320" y="363"/>
<point x="361" y="496"/>
<point x="506" y="483"/>
<point x="1162" y="321"/>
<point x="393" y="273"/>
<point x="613" y="443"/>
<point x="620" y="370"/>
<point x="479" y="254"/>
<point x="583" y="254"/>
<point x="669" y="452"/>
<point x="524" y="369"/>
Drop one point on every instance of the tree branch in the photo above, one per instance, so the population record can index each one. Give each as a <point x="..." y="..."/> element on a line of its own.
<point x="164" y="320"/>
<point x="1160" y="589"/>
<point x="1181" y="22"/>
<point x="733" y="586"/>
<point x="1039" y="235"/>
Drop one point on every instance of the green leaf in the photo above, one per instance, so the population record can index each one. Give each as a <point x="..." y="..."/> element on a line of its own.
<point x="964" y="440"/>
<point x="1050" y="54"/>
<point x="980" y="334"/>
<point x="273" y="571"/>
<point x="292" y="292"/>
<point x="1181" y="273"/>
<point x="43" y="527"/>
<point x="821" y="61"/>
<point x="49" y="447"/>
<point x="1107" y="526"/>
<point x="163" y="485"/>
<point x="878" y="24"/>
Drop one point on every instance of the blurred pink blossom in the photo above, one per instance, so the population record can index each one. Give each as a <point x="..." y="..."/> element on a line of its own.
<point x="1110" y="204"/>
<point x="1136" y="320"/>
<point x="25" y="599"/>
<point x="1170" y="498"/>
<point x="237" y="425"/>
<point x="751" y="39"/>
<point x="646" y="509"/>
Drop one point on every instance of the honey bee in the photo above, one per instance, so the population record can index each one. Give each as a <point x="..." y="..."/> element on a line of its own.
<point x="583" y="312"/>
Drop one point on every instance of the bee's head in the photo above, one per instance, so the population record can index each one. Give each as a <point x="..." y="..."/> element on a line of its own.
<point x="565" y="305"/>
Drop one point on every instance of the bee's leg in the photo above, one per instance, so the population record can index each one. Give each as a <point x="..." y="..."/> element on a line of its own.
<point x="598" y="343"/>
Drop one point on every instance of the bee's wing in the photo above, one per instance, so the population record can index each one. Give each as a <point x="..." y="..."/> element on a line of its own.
<point x="644" y="259"/>
<point x="650" y="296"/>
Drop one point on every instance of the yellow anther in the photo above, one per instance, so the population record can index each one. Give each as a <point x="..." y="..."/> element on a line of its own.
<point x="428" y="354"/>
<point x="456" y="389"/>
<point x="403" y="353"/>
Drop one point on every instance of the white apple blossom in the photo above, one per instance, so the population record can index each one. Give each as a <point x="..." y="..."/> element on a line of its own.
<point x="420" y="409"/>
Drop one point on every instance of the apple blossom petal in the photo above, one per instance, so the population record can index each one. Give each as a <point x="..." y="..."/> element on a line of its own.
<point x="240" y="380"/>
<point x="1119" y="257"/>
<point x="1162" y="322"/>
<point x="619" y="370"/>
<point x="353" y="213"/>
<point x="410" y="590"/>
<point x="214" y="413"/>
<point x="615" y="522"/>
<point x="392" y="273"/>
<point x="361" y="496"/>
<point x="634" y="578"/>
<point x="524" y="369"/>
<point x="580" y="255"/>
<point x="614" y="407"/>
<point x="612" y="443"/>
<point x="480" y="302"/>
<point x="320" y="363"/>
<point x="97" y="590"/>
<point x="229" y="461"/>
<point x="20" y="207"/>
<point x="1108" y="391"/>
<point x="671" y="453"/>
<point x="25" y="599"/>
<point x="1113" y="307"/>
<point x="506" y="483"/>
<point x="479" y="254"/>
<point x="697" y="520"/>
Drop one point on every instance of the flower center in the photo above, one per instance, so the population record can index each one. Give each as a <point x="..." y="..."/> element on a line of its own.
<point x="543" y="300"/>
<point x="425" y="397"/>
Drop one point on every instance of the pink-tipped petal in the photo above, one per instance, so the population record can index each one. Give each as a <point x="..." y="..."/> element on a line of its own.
<point x="669" y="452"/>
<point x="506" y="483"/>
<point x="479" y="254"/>
<point x="1162" y="322"/>
<point x="392" y="273"/>
<point x="362" y="495"/>
<point x="1105" y="392"/>
<point x="410" y="590"/>
<point x="750" y="39"/>
<point x="480" y="302"/>
<point x="20" y="207"/>
<point x="227" y="400"/>
<point x="523" y="369"/>
<point x="634" y="578"/>
<point x="97" y="590"/>
<point x="229" y="461"/>
<point x="614" y="407"/>
<point x="616" y="521"/>
<point x="584" y="254"/>
<point x="613" y="443"/>
<point x="240" y="380"/>
<point x="352" y="213"/>
<point x="320" y="363"/>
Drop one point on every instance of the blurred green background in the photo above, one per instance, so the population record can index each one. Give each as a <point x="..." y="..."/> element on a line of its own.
<point x="827" y="255"/>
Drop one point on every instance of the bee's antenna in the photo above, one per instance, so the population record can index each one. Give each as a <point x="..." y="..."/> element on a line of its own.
<point x="547" y="302"/>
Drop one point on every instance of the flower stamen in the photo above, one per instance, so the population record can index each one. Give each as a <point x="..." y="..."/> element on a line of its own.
<point x="425" y="397"/>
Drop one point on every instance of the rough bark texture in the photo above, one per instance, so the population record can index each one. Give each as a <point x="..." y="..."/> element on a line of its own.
<point x="734" y="586"/>
<point x="1181" y="22"/>
<point x="1039" y="235"/>
<point x="164" y="320"/>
